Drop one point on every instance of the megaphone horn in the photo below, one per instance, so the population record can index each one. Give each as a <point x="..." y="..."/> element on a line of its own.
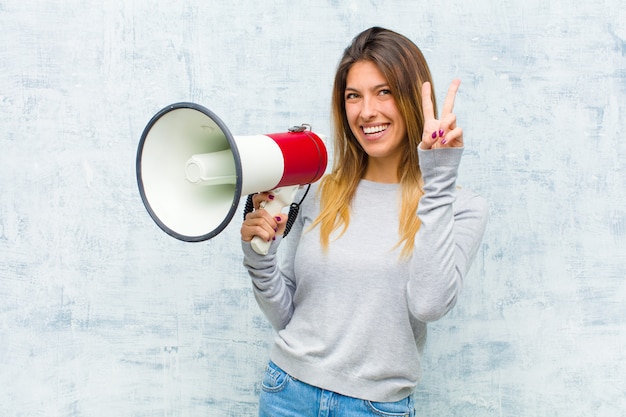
<point x="192" y="172"/>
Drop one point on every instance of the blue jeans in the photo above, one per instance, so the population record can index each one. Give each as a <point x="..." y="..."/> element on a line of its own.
<point x="284" y="396"/>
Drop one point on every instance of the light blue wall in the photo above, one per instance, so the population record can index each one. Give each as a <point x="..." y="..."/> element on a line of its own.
<point x="102" y="314"/>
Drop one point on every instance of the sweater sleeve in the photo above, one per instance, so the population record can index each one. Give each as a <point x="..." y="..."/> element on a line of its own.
<point x="273" y="281"/>
<point x="452" y="226"/>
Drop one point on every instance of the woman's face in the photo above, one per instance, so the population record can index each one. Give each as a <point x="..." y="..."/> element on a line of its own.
<point x="373" y="114"/>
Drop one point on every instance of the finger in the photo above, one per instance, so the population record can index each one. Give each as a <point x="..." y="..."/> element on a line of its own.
<point x="262" y="230"/>
<point x="281" y="221"/>
<point x="431" y="134"/>
<point x="259" y="198"/>
<point x="259" y="223"/>
<point x="447" y="123"/>
<point x="453" y="139"/>
<point x="448" y="104"/>
<point x="428" y="110"/>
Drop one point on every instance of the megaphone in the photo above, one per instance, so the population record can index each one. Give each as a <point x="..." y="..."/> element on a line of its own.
<point x="192" y="172"/>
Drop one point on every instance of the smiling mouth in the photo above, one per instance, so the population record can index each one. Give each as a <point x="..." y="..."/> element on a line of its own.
<point x="372" y="130"/>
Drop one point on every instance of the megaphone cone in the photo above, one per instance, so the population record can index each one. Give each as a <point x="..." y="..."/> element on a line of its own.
<point x="192" y="172"/>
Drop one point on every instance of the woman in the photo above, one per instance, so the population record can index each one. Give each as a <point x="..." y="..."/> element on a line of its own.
<point x="379" y="249"/>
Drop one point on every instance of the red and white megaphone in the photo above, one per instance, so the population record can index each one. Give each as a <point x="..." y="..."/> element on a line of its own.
<point x="192" y="172"/>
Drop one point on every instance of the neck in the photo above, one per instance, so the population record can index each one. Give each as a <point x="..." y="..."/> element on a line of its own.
<point x="384" y="171"/>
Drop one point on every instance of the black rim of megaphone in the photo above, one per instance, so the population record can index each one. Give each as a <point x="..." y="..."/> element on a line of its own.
<point x="233" y="148"/>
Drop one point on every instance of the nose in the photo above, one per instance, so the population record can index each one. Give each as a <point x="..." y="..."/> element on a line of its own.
<point x="368" y="109"/>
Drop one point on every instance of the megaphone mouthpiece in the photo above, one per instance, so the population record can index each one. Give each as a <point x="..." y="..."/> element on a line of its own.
<point x="212" y="168"/>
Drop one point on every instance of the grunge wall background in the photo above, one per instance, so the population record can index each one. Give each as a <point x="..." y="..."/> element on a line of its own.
<point x="102" y="314"/>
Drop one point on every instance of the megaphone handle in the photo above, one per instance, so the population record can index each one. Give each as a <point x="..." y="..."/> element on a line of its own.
<point x="283" y="197"/>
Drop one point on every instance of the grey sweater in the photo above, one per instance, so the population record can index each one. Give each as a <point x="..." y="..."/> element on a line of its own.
<point x="353" y="320"/>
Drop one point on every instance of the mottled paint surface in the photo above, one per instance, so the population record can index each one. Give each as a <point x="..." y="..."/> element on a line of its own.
<point x="102" y="314"/>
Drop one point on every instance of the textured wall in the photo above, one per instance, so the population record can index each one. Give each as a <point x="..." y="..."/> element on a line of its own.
<point x="102" y="314"/>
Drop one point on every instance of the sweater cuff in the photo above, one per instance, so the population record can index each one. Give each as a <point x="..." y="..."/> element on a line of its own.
<point x="443" y="157"/>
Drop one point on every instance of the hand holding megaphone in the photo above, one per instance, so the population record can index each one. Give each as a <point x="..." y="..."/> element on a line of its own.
<point x="192" y="172"/>
<point x="262" y="224"/>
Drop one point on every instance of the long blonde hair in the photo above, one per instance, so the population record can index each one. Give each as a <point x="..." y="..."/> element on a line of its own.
<point x="404" y="67"/>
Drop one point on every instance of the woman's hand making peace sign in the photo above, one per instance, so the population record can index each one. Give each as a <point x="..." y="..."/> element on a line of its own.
<point x="444" y="132"/>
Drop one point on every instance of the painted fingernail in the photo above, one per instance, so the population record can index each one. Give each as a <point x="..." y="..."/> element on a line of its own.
<point x="271" y="196"/>
<point x="274" y="238"/>
<point x="434" y="135"/>
<point x="440" y="133"/>
<point x="277" y="218"/>
<point x="443" y="141"/>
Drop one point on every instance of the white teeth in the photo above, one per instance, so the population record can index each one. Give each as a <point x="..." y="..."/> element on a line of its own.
<point x="375" y="129"/>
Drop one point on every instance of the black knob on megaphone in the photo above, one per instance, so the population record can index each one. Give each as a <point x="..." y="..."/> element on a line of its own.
<point x="192" y="172"/>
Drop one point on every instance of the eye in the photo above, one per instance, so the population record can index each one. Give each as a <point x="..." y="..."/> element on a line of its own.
<point x="351" y="96"/>
<point x="384" y="92"/>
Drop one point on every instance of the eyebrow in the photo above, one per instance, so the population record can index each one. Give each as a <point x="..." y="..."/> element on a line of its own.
<point x="376" y="87"/>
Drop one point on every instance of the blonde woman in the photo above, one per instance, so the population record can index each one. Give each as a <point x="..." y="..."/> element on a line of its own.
<point x="379" y="249"/>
